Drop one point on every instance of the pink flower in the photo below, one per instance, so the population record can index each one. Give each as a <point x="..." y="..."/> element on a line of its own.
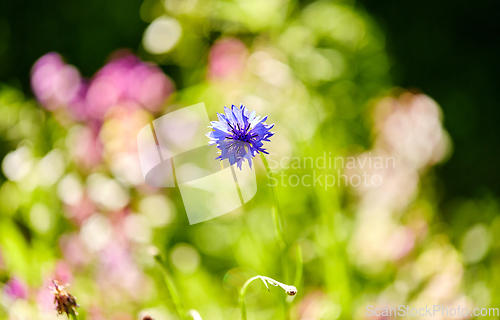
<point x="87" y="147"/>
<point x="80" y="211"/>
<point x="314" y="305"/>
<point x="45" y="299"/>
<point x="16" y="289"/>
<point x="150" y="86"/>
<point x="227" y="59"/>
<point x="74" y="251"/>
<point x="63" y="272"/>
<point x="118" y="270"/>
<point x="124" y="80"/>
<point x="54" y="82"/>
<point x="119" y="131"/>
<point x="410" y="128"/>
<point x="78" y="108"/>
<point x="127" y="79"/>
<point x="94" y="313"/>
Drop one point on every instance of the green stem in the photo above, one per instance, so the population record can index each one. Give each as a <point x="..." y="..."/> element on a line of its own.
<point x="299" y="266"/>
<point x="73" y="316"/>
<point x="279" y="227"/>
<point x="279" y="220"/>
<point x="241" y="299"/>
<point x="172" y="289"/>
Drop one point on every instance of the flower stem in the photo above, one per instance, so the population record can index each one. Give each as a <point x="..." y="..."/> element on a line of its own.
<point x="73" y="316"/>
<point x="172" y="289"/>
<point x="299" y="266"/>
<point x="279" y="220"/>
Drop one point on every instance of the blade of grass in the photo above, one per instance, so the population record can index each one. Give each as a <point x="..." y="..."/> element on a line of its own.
<point x="299" y="266"/>
<point x="172" y="289"/>
<point x="279" y="222"/>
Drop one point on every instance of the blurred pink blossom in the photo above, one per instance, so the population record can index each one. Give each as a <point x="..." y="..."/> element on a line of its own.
<point x="120" y="129"/>
<point x="393" y="185"/>
<point x="54" y="82"/>
<point x="74" y="251"/>
<point x="78" y="107"/>
<point x="87" y="147"/>
<point x="315" y="305"/>
<point x="149" y="86"/>
<point x="227" y="59"/>
<point x="409" y="133"/>
<point x="45" y="298"/>
<point x="410" y="129"/>
<point x="119" y="271"/>
<point x="16" y="289"/>
<point x="82" y="210"/>
<point x="94" y="313"/>
<point x="401" y="242"/>
<point x="63" y="272"/>
<point x="125" y="79"/>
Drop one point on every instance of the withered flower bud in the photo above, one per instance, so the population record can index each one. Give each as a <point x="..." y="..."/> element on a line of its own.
<point x="147" y="318"/>
<point x="64" y="302"/>
<point x="291" y="291"/>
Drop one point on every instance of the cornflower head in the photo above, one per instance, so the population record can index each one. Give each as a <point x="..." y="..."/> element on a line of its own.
<point x="239" y="135"/>
<point x="64" y="302"/>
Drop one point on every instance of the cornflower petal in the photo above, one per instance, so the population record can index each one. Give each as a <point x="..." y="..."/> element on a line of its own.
<point x="238" y="134"/>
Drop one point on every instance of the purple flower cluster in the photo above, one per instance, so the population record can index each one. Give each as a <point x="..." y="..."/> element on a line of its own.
<point x="124" y="80"/>
<point x="239" y="135"/>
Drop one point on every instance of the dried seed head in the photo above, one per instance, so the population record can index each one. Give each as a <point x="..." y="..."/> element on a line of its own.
<point x="147" y="318"/>
<point x="64" y="302"/>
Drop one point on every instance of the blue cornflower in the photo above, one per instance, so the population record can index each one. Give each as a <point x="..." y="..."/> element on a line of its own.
<point x="239" y="135"/>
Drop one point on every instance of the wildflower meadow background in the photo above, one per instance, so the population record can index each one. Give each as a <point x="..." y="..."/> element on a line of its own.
<point x="341" y="82"/>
